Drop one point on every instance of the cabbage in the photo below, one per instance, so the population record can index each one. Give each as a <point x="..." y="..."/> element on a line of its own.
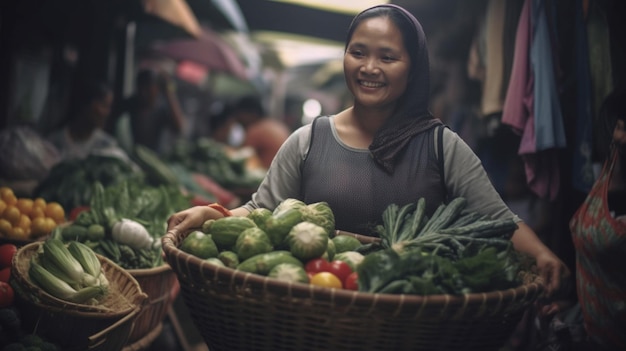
<point x="320" y="214"/>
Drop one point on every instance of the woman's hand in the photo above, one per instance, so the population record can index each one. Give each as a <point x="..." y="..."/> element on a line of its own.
<point x="191" y="218"/>
<point x="553" y="271"/>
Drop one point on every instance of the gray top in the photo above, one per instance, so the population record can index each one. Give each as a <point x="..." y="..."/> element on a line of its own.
<point x="463" y="170"/>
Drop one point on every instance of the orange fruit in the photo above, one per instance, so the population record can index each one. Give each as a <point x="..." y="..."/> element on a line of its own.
<point x="3" y="206"/>
<point x="12" y="214"/>
<point x="5" y="227"/>
<point x="24" y="223"/>
<point x="18" y="233"/>
<point x="40" y="202"/>
<point x="9" y="199"/>
<point x="5" y="191"/>
<point x="39" y="227"/>
<point x="55" y="211"/>
<point x="25" y="205"/>
<point x="37" y="212"/>
<point x="50" y="224"/>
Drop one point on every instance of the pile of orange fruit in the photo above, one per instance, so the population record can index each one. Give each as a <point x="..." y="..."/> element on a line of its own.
<point x="27" y="219"/>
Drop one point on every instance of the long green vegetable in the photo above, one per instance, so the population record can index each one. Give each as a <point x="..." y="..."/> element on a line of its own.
<point x="449" y="231"/>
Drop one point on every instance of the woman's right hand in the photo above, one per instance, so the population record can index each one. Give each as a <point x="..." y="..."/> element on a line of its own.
<point x="191" y="218"/>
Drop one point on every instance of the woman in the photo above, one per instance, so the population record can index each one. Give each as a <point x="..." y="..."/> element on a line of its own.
<point x="83" y="133"/>
<point x="384" y="148"/>
<point x="599" y="234"/>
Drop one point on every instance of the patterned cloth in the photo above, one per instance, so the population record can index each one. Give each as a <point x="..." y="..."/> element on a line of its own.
<point x="600" y="243"/>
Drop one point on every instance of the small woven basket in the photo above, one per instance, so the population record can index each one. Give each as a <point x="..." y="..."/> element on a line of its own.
<point x="105" y="326"/>
<point x="160" y="284"/>
<point x="234" y="310"/>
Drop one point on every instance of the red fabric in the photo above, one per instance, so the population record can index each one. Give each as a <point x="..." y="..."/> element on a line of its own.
<point x="600" y="242"/>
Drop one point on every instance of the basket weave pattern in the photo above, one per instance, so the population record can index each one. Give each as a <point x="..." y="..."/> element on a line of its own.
<point x="158" y="283"/>
<point x="235" y="310"/>
<point x="105" y="326"/>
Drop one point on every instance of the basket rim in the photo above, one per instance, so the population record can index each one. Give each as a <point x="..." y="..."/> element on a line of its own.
<point x="295" y="289"/>
<point x="141" y="272"/>
<point x="137" y="301"/>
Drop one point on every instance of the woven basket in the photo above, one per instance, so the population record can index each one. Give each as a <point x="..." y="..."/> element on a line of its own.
<point x="106" y="326"/>
<point x="160" y="284"/>
<point x="234" y="310"/>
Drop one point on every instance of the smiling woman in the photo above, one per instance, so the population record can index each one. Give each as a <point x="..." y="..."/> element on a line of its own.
<point x="387" y="148"/>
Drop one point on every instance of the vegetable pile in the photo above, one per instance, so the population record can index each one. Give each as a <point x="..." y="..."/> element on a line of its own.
<point x="284" y="244"/>
<point x="72" y="273"/>
<point x="125" y="221"/>
<point x="207" y="156"/>
<point x="452" y="252"/>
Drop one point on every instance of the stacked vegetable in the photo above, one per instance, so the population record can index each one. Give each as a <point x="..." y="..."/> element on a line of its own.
<point x="454" y="251"/>
<point x="125" y="221"/>
<point x="281" y="244"/>
<point x="72" y="273"/>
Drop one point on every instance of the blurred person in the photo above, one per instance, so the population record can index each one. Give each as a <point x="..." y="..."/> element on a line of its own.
<point x="382" y="150"/>
<point x="599" y="233"/>
<point x="154" y="110"/>
<point x="221" y="122"/>
<point x="83" y="134"/>
<point x="262" y="133"/>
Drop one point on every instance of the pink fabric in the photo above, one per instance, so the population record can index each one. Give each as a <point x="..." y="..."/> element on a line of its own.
<point x="542" y="168"/>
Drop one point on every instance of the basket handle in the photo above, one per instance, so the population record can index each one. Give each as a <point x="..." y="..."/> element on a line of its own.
<point x="364" y="239"/>
<point x="97" y="341"/>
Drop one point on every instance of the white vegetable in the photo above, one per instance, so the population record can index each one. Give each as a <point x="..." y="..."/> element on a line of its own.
<point x="132" y="234"/>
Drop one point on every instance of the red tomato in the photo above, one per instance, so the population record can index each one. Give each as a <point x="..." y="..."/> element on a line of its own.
<point x="352" y="281"/>
<point x="5" y="274"/>
<point x="7" y="251"/>
<point x="6" y="295"/>
<point x="339" y="268"/>
<point x="316" y="265"/>
<point x="76" y="211"/>
<point x="326" y="279"/>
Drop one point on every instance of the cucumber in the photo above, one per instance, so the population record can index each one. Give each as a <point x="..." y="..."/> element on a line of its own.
<point x="263" y="263"/>
<point x="252" y="241"/>
<point x="260" y="216"/>
<point x="75" y="232"/>
<point x="345" y="243"/>
<point x="229" y="258"/>
<point x="226" y="230"/>
<point x="331" y="250"/>
<point x="200" y="245"/>
<point x="279" y="225"/>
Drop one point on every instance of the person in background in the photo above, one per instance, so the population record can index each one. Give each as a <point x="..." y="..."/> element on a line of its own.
<point x="599" y="233"/>
<point x="220" y="122"/>
<point x="154" y="110"/>
<point x="83" y="134"/>
<point x="262" y="133"/>
<point x="385" y="149"/>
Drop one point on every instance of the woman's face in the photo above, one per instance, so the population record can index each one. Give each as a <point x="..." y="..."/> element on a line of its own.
<point x="376" y="63"/>
<point x="101" y="108"/>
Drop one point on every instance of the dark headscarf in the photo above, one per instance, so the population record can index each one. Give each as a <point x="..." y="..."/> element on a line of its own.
<point x="412" y="115"/>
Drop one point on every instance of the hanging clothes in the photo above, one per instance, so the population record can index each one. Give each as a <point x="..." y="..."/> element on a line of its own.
<point x="549" y="129"/>
<point x="531" y="106"/>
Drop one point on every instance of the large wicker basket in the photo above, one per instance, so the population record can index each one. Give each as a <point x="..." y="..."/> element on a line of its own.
<point x="105" y="326"/>
<point x="234" y="310"/>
